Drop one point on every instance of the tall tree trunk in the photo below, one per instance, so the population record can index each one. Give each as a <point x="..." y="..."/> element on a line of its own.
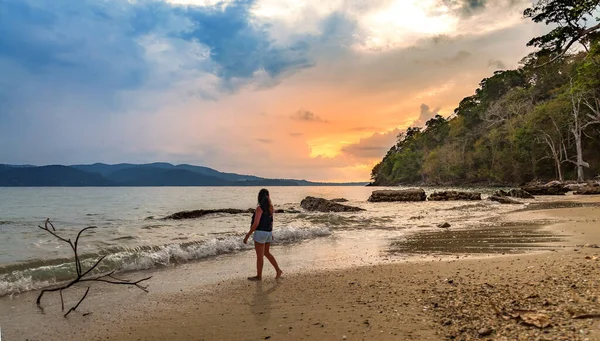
<point x="577" y="130"/>
<point x="556" y="155"/>
<point x="580" y="163"/>
<point x="559" y="170"/>
<point x="557" y="163"/>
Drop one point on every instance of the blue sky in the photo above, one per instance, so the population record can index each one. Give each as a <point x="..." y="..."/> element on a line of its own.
<point x="282" y="88"/>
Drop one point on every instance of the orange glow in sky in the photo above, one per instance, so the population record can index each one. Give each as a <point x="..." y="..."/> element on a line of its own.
<point x="305" y="89"/>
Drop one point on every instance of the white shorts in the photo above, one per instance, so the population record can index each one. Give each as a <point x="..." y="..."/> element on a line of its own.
<point x="263" y="236"/>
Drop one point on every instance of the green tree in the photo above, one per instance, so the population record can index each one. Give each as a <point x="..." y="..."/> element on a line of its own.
<point x="573" y="20"/>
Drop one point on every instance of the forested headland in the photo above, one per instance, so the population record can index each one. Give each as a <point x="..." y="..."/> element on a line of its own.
<point x="538" y="122"/>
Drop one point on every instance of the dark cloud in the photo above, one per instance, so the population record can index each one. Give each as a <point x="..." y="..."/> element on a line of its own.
<point x="296" y="134"/>
<point x="372" y="147"/>
<point x="459" y="57"/>
<point x="498" y="64"/>
<point x="308" y="116"/>
<point x="425" y="115"/>
<point x="473" y="4"/>
<point x="240" y="46"/>
<point x="266" y="141"/>
<point x="98" y="44"/>
<point x="76" y="41"/>
<point x="441" y="39"/>
<point x="71" y="62"/>
<point x="466" y="7"/>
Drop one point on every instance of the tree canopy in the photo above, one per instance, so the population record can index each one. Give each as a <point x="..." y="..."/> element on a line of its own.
<point x="540" y="121"/>
<point x="573" y="21"/>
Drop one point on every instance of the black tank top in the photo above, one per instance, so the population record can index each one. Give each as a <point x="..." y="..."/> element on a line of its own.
<point x="265" y="223"/>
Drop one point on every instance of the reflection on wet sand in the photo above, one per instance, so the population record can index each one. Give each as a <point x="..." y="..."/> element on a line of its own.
<point x="261" y="302"/>
<point x="487" y="240"/>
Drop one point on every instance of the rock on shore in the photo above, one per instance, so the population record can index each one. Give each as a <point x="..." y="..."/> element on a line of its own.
<point x="454" y="195"/>
<point x="503" y="200"/>
<point x="398" y="195"/>
<point x="324" y="205"/>
<point x="519" y="193"/>
<point x="515" y="193"/>
<point x="200" y="213"/>
<point x="551" y="188"/>
<point x="588" y="190"/>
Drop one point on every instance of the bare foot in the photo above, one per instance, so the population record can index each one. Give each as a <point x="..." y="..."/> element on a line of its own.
<point x="254" y="278"/>
<point x="279" y="273"/>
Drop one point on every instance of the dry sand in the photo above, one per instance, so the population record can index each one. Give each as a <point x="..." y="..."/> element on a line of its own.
<point x="440" y="297"/>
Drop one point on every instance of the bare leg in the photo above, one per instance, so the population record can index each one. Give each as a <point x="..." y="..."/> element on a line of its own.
<point x="271" y="259"/>
<point x="260" y="253"/>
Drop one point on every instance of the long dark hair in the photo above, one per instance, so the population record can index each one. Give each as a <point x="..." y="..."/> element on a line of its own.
<point x="264" y="201"/>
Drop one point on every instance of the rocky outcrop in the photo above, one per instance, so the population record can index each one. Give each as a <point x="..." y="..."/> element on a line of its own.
<point x="588" y="190"/>
<point x="454" y="195"/>
<point x="501" y="193"/>
<point x="201" y="213"/>
<point x="504" y="200"/>
<point x="520" y="193"/>
<point x="515" y="193"/>
<point x="339" y="200"/>
<point x="324" y="205"/>
<point x="575" y="186"/>
<point x="551" y="188"/>
<point x="398" y="195"/>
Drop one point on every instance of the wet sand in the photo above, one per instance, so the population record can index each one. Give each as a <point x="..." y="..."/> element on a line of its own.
<point x="514" y="238"/>
<point x="458" y="291"/>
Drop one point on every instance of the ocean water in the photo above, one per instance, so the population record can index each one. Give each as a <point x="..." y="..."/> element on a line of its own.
<point x="132" y="235"/>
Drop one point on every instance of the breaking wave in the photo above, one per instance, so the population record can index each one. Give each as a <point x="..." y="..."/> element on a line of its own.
<point x="38" y="274"/>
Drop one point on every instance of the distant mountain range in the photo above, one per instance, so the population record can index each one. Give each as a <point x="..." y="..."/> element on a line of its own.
<point x="126" y="174"/>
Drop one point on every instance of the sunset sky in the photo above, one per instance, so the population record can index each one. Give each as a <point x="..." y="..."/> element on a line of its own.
<point x="308" y="89"/>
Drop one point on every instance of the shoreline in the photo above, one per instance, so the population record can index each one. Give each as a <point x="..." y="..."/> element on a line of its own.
<point x="386" y="300"/>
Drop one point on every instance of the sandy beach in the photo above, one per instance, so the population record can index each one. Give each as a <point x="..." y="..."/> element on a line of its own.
<point x="548" y="293"/>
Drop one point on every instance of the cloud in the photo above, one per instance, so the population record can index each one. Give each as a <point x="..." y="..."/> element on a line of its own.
<point x="498" y="64"/>
<point x="377" y="145"/>
<point x="307" y="116"/>
<point x="468" y="7"/>
<point x="106" y="47"/>
<point x="425" y="115"/>
<point x="459" y="57"/>
<point x="239" y="45"/>
<point x="150" y="80"/>
<point x="372" y="147"/>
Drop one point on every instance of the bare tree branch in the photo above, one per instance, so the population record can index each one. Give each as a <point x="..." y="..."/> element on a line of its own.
<point x="576" y="38"/>
<point x="78" y="303"/>
<point x="81" y="275"/>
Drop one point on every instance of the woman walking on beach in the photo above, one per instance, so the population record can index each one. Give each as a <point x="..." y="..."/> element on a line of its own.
<point x="262" y="226"/>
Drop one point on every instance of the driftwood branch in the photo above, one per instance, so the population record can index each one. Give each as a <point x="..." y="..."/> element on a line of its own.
<point x="78" y="303"/>
<point x="83" y="276"/>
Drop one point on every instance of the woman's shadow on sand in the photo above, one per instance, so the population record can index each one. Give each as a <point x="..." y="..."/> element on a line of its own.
<point x="261" y="301"/>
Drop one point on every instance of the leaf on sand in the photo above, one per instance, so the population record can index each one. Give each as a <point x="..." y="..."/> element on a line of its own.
<point x="536" y="319"/>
